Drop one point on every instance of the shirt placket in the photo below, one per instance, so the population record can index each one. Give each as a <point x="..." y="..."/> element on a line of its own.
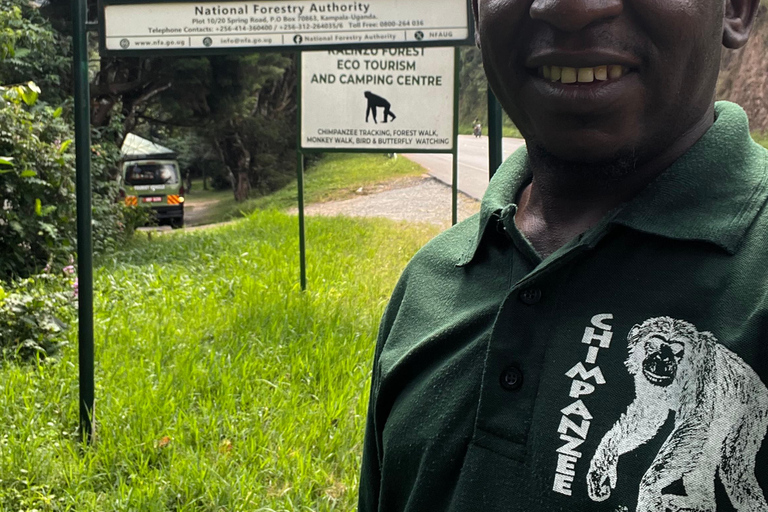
<point x="518" y="347"/>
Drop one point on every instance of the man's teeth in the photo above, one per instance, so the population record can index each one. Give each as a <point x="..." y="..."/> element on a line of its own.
<point x="568" y="75"/>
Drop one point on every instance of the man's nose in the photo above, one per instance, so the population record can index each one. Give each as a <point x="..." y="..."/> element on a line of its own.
<point x="573" y="15"/>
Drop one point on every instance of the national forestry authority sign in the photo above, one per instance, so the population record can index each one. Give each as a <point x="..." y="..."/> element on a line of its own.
<point x="172" y="26"/>
<point x="378" y="99"/>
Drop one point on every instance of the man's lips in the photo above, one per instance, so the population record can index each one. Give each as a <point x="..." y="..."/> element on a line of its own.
<point x="581" y="59"/>
<point x="579" y="92"/>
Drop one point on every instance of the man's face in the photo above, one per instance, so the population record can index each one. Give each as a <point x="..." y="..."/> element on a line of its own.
<point x="592" y="81"/>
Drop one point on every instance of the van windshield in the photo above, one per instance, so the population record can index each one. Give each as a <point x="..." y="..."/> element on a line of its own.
<point x="151" y="174"/>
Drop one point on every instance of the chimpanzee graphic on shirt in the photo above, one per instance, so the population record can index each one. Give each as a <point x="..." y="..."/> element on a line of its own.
<point x="721" y="420"/>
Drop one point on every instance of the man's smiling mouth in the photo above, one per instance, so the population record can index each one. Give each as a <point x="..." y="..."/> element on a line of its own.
<point x="569" y="75"/>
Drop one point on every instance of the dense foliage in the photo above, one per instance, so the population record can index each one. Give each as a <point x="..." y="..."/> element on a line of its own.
<point x="36" y="225"/>
<point x="34" y="313"/>
<point x="37" y="211"/>
<point x="37" y="191"/>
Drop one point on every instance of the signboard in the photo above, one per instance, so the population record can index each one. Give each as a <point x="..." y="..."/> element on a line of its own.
<point x="380" y="99"/>
<point x="214" y="27"/>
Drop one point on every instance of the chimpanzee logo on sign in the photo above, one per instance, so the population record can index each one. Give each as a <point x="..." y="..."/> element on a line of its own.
<point x="374" y="103"/>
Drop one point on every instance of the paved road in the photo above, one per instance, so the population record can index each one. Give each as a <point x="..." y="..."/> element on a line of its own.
<point x="473" y="163"/>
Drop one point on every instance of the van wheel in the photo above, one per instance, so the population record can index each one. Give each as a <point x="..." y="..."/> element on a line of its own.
<point x="177" y="223"/>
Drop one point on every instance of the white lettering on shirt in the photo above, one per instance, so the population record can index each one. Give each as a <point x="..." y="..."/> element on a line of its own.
<point x="576" y="418"/>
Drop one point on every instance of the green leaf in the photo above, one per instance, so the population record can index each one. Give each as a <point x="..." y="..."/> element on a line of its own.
<point x="6" y="160"/>
<point x="29" y="93"/>
<point x="57" y="113"/>
<point x="29" y="173"/>
<point x="49" y="229"/>
<point x="38" y="208"/>
<point x="65" y="145"/>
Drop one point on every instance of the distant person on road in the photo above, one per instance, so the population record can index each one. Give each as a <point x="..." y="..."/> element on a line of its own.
<point x="477" y="128"/>
<point x="596" y="338"/>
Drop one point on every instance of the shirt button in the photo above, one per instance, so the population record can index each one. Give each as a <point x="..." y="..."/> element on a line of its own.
<point x="530" y="296"/>
<point x="511" y="378"/>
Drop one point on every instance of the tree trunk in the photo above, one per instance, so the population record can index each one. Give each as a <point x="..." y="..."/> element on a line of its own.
<point x="243" y="189"/>
<point x="237" y="160"/>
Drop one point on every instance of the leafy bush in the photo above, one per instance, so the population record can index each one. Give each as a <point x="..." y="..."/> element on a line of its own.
<point x="31" y="50"/>
<point x="37" y="190"/>
<point x="37" y="211"/>
<point x="34" y="312"/>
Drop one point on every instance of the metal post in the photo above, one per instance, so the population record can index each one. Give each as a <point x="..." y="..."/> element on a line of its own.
<point x="495" y="156"/>
<point x="302" y="235"/>
<point x="455" y="187"/>
<point x="455" y="179"/>
<point x="300" y="179"/>
<point x="84" y="231"/>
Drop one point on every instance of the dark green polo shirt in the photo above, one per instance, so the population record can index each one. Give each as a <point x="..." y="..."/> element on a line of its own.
<point x="626" y="372"/>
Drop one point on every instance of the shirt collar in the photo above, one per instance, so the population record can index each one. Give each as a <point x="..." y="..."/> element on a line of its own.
<point x="712" y="193"/>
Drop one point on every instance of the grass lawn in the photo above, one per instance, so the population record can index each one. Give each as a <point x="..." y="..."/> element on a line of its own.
<point x="220" y="385"/>
<point x="761" y="138"/>
<point x="335" y="176"/>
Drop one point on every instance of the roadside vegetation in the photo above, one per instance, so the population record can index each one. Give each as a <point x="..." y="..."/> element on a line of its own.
<point x="38" y="282"/>
<point x="333" y="177"/>
<point x="220" y="385"/>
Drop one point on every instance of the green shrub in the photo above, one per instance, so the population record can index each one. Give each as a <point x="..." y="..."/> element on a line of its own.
<point x="34" y="313"/>
<point x="37" y="214"/>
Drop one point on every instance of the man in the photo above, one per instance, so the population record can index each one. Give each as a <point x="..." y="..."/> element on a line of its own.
<point x="596" y="339"/>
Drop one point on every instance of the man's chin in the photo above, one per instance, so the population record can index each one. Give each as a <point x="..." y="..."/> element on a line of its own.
<point x="593" y="163"/>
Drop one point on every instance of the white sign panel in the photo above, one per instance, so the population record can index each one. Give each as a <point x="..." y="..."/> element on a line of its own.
<point x="378" y="99"/>
<point x="279" y="23"/>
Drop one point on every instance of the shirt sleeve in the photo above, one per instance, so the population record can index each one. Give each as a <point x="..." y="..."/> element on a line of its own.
<point x="370" y="472"/>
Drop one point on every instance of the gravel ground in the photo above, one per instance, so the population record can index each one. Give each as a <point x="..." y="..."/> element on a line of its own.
<point x="422" y="200"/>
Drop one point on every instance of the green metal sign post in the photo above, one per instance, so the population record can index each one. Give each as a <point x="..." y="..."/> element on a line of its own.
<point x="455" y="173"/>
<point x="84" y="230"/>
<point x="495" y="155"/>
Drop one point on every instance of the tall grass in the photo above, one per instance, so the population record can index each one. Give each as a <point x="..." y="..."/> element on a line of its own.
<point x="220" y="385"/>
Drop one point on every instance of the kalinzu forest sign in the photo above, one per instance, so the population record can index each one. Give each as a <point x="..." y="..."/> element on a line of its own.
<point x="379" y="99"/>
<point x="144" y="26"/>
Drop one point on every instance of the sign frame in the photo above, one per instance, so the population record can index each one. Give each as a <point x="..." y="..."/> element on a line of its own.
<point x="386" y="149"/>
<point x="200" y="52"/>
